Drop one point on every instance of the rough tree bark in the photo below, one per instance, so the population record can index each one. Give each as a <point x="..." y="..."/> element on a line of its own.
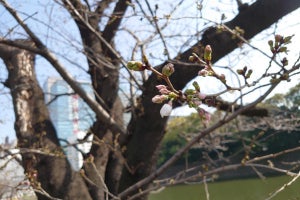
<point x="35" y="130"/>
<point x="104" y="71"/>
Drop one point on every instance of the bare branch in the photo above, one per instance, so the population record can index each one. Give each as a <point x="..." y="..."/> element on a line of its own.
<point x="43" y="51"/>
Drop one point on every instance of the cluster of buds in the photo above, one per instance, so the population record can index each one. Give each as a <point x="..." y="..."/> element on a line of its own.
<point x="168" y="94"/>
<point x="165" y="95"/>
<point x="278" y="45"/>
<point x="208" y="70"/>
<point x="245" y="72"/>
<point x="194" y="97"/>
<point x="237" y="32"/>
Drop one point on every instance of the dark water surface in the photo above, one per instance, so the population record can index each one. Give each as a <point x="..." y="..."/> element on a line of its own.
<point x="246" y="189"/>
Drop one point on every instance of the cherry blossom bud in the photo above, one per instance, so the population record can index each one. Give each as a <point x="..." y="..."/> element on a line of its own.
<point x="159" y="87"/>
<point x="136" y="66"/>
<point x="278" y="38"/>
<point x="168" y="69"/>
<point x="201" y="96"/>
<point x="207" y="53"/>
<point x="164" y="91"/>
<point x="204" y="115"/>
<point x="166" y="109"/>
<point x="159" y="98"/>
<point x="207" y="117"/>
<point x="203" y="72"/>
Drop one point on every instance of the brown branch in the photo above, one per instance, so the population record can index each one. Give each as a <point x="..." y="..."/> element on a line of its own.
<point x="115" y="20"/>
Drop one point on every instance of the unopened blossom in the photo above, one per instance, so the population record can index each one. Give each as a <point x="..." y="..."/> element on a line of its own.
<point x="159" y="87"/>
<point x="207" y="53"/>
<point x="168" y="69"/>
<point x="201" y="95"/>
<point x="203" y="72"/>
<point x="207" y="117"/>
<point x="204" y="115"/>
<point x="163" y="89"/>
<point x="159" y="98"/>
<point x="166" y="109"/>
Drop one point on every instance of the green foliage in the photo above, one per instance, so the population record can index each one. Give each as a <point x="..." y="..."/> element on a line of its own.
<point x="177" y="134"/>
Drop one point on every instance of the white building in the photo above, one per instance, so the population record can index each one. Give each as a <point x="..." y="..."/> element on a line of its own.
<point x="71" y="117"/>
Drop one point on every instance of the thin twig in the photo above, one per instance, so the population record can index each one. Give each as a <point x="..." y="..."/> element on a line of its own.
<point x="284" y="187"/>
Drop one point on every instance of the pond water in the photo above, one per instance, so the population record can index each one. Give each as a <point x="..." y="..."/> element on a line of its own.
<point x="245" y="189"/>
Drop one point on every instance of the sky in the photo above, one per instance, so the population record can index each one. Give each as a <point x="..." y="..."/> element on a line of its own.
<point x="54" y="26"/>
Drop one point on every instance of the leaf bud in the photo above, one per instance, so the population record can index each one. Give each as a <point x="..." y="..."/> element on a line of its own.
<point x="249" y="73"/>
<point x="288" y="39"/>
<point x="189" y="91"/>
<point x="240" y="71"/>
<point x="284" y="61"/>
<point x="172" y="95"/>
<point x="136" y="66"/>
<point x="271" y="43"/>
<point x="196" y="86"/>
<point x="285" y="76"/>
<point x="168" y="69"/>
<point x="282" y="49"/>
<point x="207" y="53"/>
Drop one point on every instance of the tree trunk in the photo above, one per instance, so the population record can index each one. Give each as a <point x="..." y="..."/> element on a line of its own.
<point x="47" y="166"/>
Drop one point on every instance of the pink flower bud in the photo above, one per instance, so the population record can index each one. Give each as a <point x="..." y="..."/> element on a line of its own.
<point x="278" y="38"/>
<point x="203" y="72"/>
<point x="201" y="96"/>
<point x="166" y="109"/>
<point x="204" y="115"/>
<point x="159" y="98"/>
<point x="164" y="91"/>
<point x="159" y="87"/>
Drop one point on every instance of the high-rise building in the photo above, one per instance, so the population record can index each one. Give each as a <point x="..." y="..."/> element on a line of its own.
<point x="71" y="117"/>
